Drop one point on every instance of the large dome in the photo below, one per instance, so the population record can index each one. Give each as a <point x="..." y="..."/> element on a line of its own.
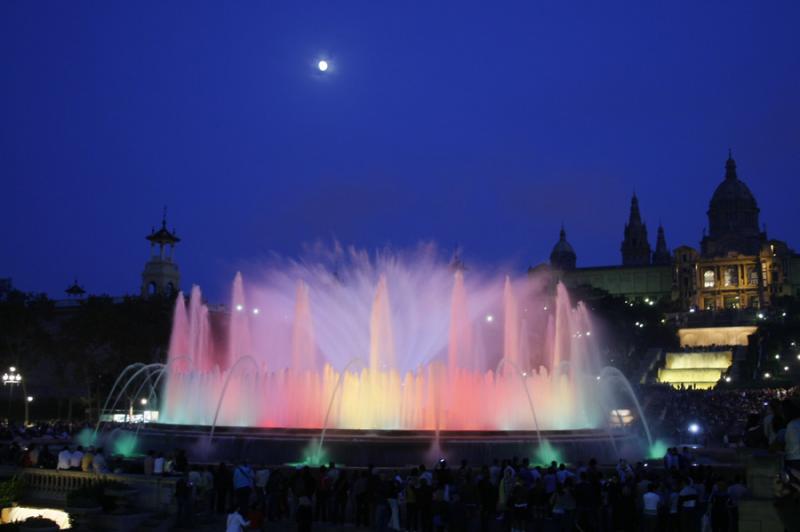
<point x="732" y="194"/>
<point x="732" y="217"/>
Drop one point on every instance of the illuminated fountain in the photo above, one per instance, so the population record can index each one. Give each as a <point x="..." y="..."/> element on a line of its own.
<point x="390" y="342"/>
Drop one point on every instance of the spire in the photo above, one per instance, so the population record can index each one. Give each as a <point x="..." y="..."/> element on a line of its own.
<point x="661" y="255"/>
<point x="730" y="167"/>
<point x="635" y="247"/>
<point x="635" y="216"/>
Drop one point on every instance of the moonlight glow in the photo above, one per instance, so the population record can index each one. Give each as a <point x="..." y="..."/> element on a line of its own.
<point x="322" y="65"/>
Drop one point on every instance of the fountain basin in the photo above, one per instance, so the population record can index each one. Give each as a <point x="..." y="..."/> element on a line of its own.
<point x="384" y="448"/>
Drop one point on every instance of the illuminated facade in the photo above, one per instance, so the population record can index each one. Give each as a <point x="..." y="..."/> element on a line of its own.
<point x="737" y="265"/>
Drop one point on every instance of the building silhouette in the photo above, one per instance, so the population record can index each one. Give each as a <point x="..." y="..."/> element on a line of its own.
<point x="736" y="265"/>
<point x="161" y="275"/>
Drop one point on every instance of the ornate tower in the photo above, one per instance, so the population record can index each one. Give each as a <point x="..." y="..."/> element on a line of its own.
<point x="661" y="255"/>
<point x="732" y="218"/>
<point x="635" y="247"/>
<point x="161" y="275"/>
<point x="563" y="256"/>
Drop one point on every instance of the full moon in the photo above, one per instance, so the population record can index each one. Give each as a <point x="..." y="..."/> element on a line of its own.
<point x="322" y="65"/>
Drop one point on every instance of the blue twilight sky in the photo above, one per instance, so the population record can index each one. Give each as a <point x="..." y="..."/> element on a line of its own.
<point x="480" y="124"/>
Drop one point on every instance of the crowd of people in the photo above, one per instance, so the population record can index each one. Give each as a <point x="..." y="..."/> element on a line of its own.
<point x="717" y="417"/>
<point x="511" y="495"/>
<point x="53" y="430"/>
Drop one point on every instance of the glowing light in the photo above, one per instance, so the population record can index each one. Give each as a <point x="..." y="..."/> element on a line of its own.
<point x="588" y="333"/>
<point x="761" y="315"/>
<point x="143" y="401"/>
<point x="728" y="378"/>
<point x="322" y="65"/>
<point x="777" y="357"/>
<point x="19" y="514"/>
<point x="658" y="449"/>
<point x="239" y="308"/>
<point x="29" y="398"/>
<point x="785" y="368"/>
<point x="767" y="375"/>
<point x="256" y="311"/>
<point x="694" y="428"/>
<point x="12" y="369"/>
<point x="489" y="318"/>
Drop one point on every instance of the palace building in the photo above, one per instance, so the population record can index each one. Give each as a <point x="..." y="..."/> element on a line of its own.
<point x="736" y="266"/>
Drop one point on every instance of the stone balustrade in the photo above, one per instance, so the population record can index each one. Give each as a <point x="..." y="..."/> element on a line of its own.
<point x="49" y="486"/>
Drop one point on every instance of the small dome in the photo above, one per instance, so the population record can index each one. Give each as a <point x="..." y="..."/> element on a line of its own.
<point x="563" y="256"/>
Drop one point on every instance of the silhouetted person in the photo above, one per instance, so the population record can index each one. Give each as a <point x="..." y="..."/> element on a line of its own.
<point x="222" y="485"/>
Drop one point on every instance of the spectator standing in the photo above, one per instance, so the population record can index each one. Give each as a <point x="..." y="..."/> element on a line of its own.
<point x="719" y="507"/>
<point x="261" y="481"/>
<point x="650" y="504"/>
<point x="243" y="479"/>
<point x="222" y="484"/>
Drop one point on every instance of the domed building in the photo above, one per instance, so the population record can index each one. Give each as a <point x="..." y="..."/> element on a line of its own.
<point x="737" y="266"/>
<point x="732" y="218"/>
<point x="563" y="256"/>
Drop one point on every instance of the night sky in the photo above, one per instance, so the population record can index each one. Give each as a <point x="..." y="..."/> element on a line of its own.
<point x="478" y="125"/>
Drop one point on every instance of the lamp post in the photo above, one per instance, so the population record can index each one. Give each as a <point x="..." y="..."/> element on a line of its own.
<point x="11" y="378"/>
<point x="28" y="401"/>
<point x="14" y="378"/>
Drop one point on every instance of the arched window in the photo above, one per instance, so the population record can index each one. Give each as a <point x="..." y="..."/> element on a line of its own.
<point x="152" y="288"/>
<point x="708" y="279"/>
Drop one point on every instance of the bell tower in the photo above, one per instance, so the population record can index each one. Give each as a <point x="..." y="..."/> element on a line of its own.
<point x="635" y="247"/>
<point x="161" y="275"/>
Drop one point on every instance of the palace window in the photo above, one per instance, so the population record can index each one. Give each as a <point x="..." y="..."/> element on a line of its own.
<point x="752" y="276"/>
<point x="731" y="302"/>
<point x="731" y="276"/>
<point x="708" y="279"/>
<point x="708" y="303"/>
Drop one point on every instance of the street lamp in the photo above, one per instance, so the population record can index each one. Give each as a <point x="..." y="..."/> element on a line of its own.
<point x="28" y="401"/>
<point x="12" y="377"/>
<point x="143" y="401"/>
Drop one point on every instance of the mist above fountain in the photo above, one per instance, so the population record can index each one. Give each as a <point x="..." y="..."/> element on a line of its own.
<point x="393" y="341"/>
